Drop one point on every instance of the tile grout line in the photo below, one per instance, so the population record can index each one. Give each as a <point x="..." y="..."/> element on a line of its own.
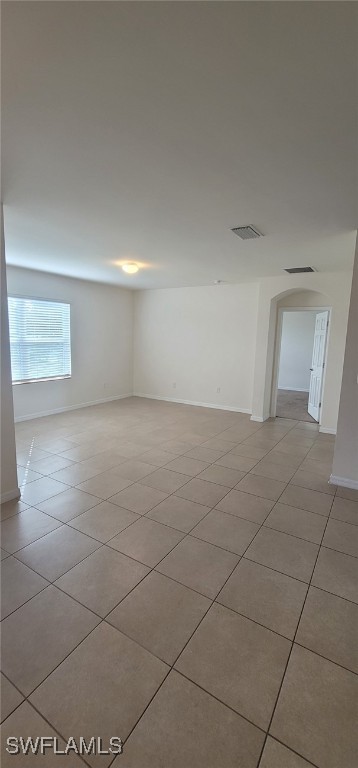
<point x="188" y="533"/>
<point x="290" y="653"/>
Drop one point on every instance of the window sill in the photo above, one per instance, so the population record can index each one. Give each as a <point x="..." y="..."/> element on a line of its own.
<point x="38" y="381"/>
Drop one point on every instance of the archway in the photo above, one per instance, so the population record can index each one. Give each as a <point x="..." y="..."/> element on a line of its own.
<point x="320" y="290"/>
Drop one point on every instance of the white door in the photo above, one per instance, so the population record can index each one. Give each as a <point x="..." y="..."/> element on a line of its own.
<point x="318" y="355"/>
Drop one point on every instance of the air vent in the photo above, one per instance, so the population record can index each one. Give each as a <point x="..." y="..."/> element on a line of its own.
<point x="298" y="270"/>
<point x="246" y="233"/>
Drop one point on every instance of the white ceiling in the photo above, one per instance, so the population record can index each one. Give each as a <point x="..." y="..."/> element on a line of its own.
<point x="144" y="131"/>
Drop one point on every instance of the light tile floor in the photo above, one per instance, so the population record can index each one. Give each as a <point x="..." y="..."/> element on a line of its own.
<point x="185" y="579"/>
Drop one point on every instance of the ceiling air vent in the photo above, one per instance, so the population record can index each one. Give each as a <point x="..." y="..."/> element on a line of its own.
<point x="246" y="233"/>
<point x="298" y="270"/>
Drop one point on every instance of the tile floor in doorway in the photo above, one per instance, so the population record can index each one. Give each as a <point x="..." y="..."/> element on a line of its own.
<point x="185" y="579"/>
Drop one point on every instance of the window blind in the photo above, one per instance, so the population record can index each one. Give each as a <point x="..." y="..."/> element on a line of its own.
<point x="40" y="339"/>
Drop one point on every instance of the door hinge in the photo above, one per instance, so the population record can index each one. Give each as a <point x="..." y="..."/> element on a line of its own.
<point x="320" y="405"/>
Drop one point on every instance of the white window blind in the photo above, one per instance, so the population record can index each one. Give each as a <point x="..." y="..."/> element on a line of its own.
<point x="40" y="339"/>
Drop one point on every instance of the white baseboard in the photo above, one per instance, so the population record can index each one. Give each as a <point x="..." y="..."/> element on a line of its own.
<point x="193" y="402"/>
<point x="10" y="495"/>
<point x="53" y="411"/>
<point x="345" y="482"/>
<point x="328" y="430"/>
<point x="293" y="389"/>
<point x="257" y="418"/>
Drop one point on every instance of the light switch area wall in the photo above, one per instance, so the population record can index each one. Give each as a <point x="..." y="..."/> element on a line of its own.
<point x="101" y="343"/>
<point x="296" y="350"/>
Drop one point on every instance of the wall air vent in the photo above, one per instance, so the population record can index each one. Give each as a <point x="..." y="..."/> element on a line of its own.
<point x="298" y="270"/>
<point x="246" y="233"/>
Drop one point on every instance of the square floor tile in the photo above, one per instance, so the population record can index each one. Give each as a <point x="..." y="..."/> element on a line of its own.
<point x="65" y="506"/>
<point x="165" y="480"/>
<point x="25" y="721"/>
<point x="265" y="596"/>
<point x="160" y="615"/>
<point x="146" y="541"/>
<point x="134" y="469"/>
<point x="261" y="486"/>
<point x="102" y="688"/>
<point x="109" y="459"/>
<point x="238" y="661"/>
<point x="104" y="521"/>
<point x="18" y="584"/>
<point x="316" y="711"/>
<point x="199" y="565"/>
<point x="234" y="461"/>
<point x="157" y="457"/>
<point x="22" y="529"/>
<point x="283" y="553"/>
<point x="75" y="474"/>
<point x="29" y="456"/>
<point x="10" y="698"/>
<point x="102" y="580"/>
<point x="336" y="573"/>
<point x="50" y="464"/>
<point x="178" y="513"/>
<point x="249" y="451"/>
<point x="297" y="522"/>
<point x="218" y="444"/>
<point x="42" y="489"/>
<point x="176" y="447"/>
<point x="276" y="456"/>
<point x="341" y="537"/>
<point x="329" y="626"/>
<point x="347" y="493"/>
<point x="303" y="498"/>
<point x="215" y="737"/>
<point x="275" y="755"/>
<point x="57" y="552"/>
<point x="39" y="635"/>
<point x="139" y="498"/>
<point x="202" y="492"/>
<point x="320" y="469"/>
<point x="26" y="475"/>
<point x="226" y="531"/>
<point x="205" y="454"/>
<point x="11" y="508"/>
<point x="266" y="468"/>
<point x="105" y="485"/>
<point x="222" y="475"/>
<point x="4" y="554"/>
<point x="186" y="466"/>
<point x="345" y="510"/>
<point x="246" y="505"/>
<point x="313" y="482"/>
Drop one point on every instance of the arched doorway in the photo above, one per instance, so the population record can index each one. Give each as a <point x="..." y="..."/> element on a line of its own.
<point x="300" y="295"/>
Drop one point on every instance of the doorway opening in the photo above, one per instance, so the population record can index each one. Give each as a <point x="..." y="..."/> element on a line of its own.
<point x="300" y="363"/>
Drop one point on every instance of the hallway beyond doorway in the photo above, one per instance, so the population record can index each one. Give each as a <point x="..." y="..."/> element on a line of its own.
<point x="293" y="405"/>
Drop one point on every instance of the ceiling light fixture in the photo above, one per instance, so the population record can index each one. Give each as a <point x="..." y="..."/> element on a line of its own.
<point x="130" y="268"/>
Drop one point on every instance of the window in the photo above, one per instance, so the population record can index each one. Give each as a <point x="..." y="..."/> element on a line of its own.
<point x="40" y="340"/>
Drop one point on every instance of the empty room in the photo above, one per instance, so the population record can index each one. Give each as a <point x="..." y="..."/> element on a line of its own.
<point x="179" y="384"/>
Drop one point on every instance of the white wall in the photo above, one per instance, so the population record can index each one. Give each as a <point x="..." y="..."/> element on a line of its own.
<point x="296" y="350"/>
<point x="101" y="341"/>
<point x="345" y="462"/>
<point x="9" y="486"/>
<point x="201" y="339"/>
<point x="313" y="289"/>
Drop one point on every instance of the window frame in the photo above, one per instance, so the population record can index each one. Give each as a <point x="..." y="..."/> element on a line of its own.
<point x="65" y="377"/>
